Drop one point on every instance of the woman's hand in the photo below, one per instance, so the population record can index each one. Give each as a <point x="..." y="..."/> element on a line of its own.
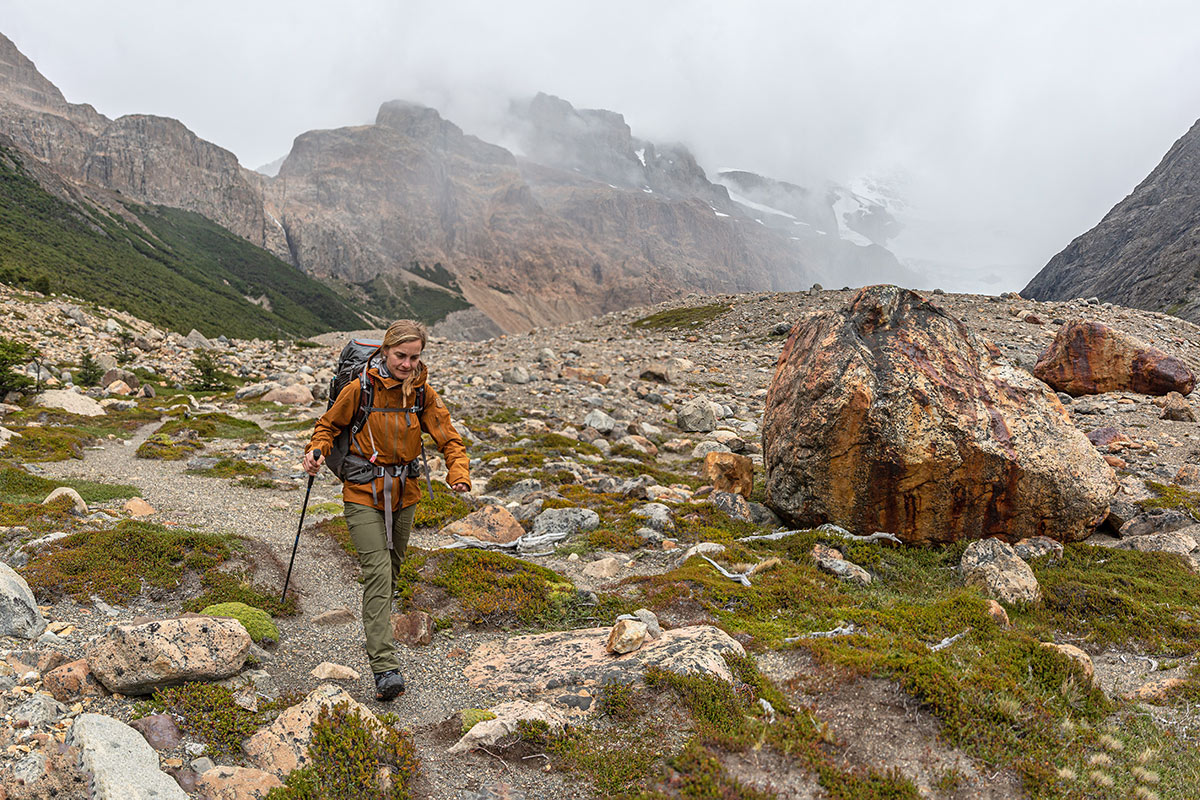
<point x="461" y="487"/>
<point x="313" y="460"/>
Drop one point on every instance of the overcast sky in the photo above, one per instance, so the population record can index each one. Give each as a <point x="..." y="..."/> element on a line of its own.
<point x="1012" y="126"/>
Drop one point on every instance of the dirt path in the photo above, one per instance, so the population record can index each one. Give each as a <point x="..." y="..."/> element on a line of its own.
<point x="324" y="579"/>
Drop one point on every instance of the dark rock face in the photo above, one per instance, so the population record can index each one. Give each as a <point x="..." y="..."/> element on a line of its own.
<point x="1091" y="358"/>
<point x="1145" y="251"/>
<point x="891" y="416"/>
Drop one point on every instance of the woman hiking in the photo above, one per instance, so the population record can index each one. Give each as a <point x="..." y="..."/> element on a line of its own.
<point x="379" y="510"/>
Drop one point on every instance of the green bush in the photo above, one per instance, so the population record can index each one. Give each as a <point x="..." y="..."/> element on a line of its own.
<point x="347" y="755"/>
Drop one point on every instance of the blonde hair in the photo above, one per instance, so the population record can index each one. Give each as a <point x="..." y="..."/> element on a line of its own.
<point x="400" y="332"/>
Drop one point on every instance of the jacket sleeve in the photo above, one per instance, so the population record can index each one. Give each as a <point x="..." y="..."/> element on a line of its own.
<point x="435" y="420"/>
<point x="339" y="415"/>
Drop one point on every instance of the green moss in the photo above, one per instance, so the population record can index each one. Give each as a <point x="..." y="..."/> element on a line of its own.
<point x="255" y="482"/>
<point x="689" y="317"/>
<point x="473" y="716"/>
<point x="620" y="701"/>
<point x="703" y="522"/>
<point x="117" y="563"/>
<point x="256" y="621"/>
<point x="221" y="586"/>
<point x="619" y="541"/>
<point x="18" y="486"/>
<point x="231" y="468"/>
<point x="47" y="444"/>
<point x="347" y="754"/>
<point x="162" y="447"/>
<point x="318" y="509"/>
<point x="214" y="425"/>
<point x="1173" y="497"/>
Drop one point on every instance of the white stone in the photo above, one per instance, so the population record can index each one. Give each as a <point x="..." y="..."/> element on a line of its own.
<point x="122" y="763"/>
<point x="70" y="401"/>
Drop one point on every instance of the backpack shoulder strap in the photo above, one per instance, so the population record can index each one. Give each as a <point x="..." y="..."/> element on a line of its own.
<point x="420" y="401"/>
<point x="366" y="396"/>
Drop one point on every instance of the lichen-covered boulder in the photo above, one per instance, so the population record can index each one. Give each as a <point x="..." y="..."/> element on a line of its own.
<point x="138" y="659"/>
<point x="889" y="415"/>
<point x="257" y="622"/>
<point x="1088" y="357"/>
<point x="19" y="612"/>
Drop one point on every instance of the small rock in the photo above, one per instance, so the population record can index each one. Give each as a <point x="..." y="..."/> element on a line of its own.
<point x="413" y="629"/>
<point x="236" y="783"/>
<point x="77" y="503"/>
<point x="1038" y="546"/>
<point x="1075" y="654"/>
<point x="832" y="561"/>
<point x="137" y="507"/>
<point x="729" y="472"/>
<point x="627" y="635"/>
<point x="703" y="549"/>
<point x="488" y="524"/>
<point x="328" y="671"/>
<point x="335" y="616"/>
<point x="568" y="521"/>
<point x="1156" y="691"/>
<point x="997" y="612"/>
<point x="994" y="565"/>
<point x="603" y="568"/>
<point x="19" y="613"/>
<point x="1177" y="408"/>
<point x="160" y="731"/>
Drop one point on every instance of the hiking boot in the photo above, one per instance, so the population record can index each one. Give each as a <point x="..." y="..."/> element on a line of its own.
<point x="389" y="685"/>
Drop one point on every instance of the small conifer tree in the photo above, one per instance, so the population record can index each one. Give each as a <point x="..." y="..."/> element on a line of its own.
<point x="206" y="375"/>
<point x="12" y="354"/>
<point x="89" y="372"/>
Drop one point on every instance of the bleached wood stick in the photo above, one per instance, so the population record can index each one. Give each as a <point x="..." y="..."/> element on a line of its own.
<point x="740" y="577"/>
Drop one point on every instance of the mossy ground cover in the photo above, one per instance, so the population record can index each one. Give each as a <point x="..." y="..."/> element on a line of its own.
<point x="444" y="507"/>
<point x="231" y="468"/>
<point x="1173" y="497"/>
<point x="687" y="318"/>
<point x="208" y="713"/>
<point x="236" y="586"/>
<point x="999" y="694"/>
<point x="119" y="562"/>
<point x="347" y="755"/>
<point x="18" y="486"/>
<point x="491" y="589"/>
<point x="633" y="758"/>
<point x="38" y="518"/>
<point x="256" y="621"/>
<point x="178" y="438"/>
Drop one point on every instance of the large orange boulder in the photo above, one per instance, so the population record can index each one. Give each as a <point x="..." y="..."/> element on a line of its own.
<point x="890" y="415"/>
<point x="1091" y="358"/>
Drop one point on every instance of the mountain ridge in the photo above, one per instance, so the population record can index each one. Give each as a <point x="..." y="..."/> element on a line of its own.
<point x="1143" y="253"/>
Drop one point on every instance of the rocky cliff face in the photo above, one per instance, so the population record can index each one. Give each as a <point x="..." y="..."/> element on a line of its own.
<point x="1145" y="253"/>
<point x="529" y="243"/>
<point x="150" y="159"/>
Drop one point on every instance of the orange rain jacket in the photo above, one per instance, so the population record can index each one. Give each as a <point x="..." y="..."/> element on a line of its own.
<point x="396" y="436"/>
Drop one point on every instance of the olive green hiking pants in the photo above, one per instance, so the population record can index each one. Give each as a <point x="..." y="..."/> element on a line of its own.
<point x="380" y="568"/>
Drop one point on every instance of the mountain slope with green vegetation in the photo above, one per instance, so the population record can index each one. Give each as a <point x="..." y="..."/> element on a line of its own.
<point x="180" y="271"/>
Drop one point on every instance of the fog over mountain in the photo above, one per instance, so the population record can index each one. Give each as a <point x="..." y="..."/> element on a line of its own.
<point x="1003" y="130"/>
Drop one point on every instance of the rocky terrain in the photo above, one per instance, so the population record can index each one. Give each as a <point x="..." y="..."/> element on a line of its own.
<point x="623" y="605"/>
<point x="1143" y="253"/>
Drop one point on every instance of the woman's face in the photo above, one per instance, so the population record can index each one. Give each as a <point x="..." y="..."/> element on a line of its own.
<point x="403" y="359"/>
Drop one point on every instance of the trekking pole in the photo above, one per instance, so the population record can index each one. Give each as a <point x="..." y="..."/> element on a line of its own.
<point x="296" y="544"/>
